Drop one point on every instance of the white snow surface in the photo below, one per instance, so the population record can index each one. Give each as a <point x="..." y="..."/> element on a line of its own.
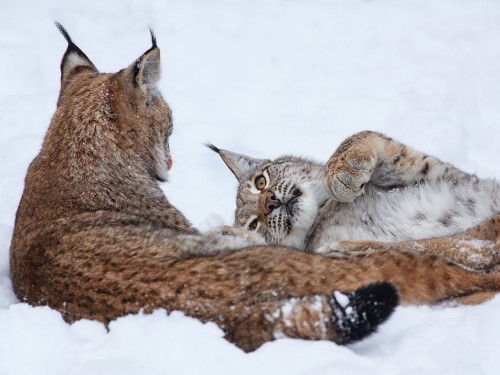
<point x="262" y="77"/>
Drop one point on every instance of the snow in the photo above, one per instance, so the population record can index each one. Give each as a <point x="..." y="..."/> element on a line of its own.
<point x="262" y="77"/>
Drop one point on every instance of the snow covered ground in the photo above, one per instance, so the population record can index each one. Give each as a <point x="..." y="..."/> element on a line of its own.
<point x="262" y="77"/>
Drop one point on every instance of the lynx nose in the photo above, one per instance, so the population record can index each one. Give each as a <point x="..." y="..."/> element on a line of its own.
<point x="272" y="202"/>
<point x="169" y="163"/>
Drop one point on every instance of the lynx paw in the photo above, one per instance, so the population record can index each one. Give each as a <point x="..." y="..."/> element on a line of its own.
<point x="333" y="250"/>
<point x="251" y="238"/>
<point x="348" y="173"/>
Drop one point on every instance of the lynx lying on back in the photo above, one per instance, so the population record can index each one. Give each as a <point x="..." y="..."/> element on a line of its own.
<point x="372" y="189"/>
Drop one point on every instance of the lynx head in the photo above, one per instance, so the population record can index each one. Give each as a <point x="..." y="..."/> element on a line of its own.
<point x="279" y="199"/>
<point x="116" y="121"/>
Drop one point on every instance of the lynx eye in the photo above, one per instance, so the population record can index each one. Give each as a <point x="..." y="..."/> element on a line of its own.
<point x="260" y="182"/>
<point x="253" y="225"/>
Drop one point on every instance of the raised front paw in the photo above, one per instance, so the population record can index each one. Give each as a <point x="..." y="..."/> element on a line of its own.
<point x="349" y="171"/>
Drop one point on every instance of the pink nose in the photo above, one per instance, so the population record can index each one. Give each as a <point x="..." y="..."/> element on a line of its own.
<point x="169" y="163"/>
<point x="272" y="202"/>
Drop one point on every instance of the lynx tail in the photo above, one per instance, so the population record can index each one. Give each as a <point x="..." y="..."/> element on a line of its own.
<point x="358" y="314"/>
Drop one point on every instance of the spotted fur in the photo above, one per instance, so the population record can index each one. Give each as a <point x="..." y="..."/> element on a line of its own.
<point x="96" y="238"/>
<point x="372" y="189"/>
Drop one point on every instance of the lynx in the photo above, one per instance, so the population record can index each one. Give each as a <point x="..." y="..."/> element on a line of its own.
<point x="95" y="237"/>
<point x="373" y="188"/>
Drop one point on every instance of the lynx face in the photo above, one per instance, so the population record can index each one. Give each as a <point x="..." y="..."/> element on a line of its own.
<point x="124" y="112"/>
<point x="150" y="119"/>
<point x="159" y="123"/>
<point x="281" y="200"/>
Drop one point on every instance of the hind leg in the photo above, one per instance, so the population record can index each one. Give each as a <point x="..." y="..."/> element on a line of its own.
<point x="341" y="318"/>
<point x="489" y="230"/>
<point x="475" y="298"/>
<point x="373" y="158"/>
<point x="477" y="250"/>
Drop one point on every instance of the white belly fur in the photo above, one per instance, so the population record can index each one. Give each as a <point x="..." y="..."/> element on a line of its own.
<point x="410" y="213"/>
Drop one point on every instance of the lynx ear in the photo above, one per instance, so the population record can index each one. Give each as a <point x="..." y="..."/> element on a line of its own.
<point x="146" y="69"/>
<point x="242" y="166"/>
<point x="73" y="57"/>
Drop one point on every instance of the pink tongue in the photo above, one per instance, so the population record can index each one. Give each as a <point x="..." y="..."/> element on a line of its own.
<point x="169" y="164"/>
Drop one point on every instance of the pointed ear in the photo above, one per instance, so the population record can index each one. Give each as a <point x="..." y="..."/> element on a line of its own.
<point x="145" y="71"/>
<point x="73" y="59"/>
<point x="242" y="166"/>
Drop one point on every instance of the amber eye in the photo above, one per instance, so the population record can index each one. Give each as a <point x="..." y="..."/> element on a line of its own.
<point x="253" y="225"/>
<point x="260" y="182"/>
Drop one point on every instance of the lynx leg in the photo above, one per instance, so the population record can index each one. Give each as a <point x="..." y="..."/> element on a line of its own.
<point x="341" y="318"/>
<point x="370" y="157"/>
<point x="478" y="249"/>
<point x="463" y="253"/>
<point x="489" y="230"/>
<point x="475" y="298"/>
<point x="479" y="255"/>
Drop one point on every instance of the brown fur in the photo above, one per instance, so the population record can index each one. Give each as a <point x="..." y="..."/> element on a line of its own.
<point x="375" y="158"/>
<point x="96" y="238"/>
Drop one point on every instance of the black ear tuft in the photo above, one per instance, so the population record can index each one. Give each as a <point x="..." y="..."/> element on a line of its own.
<point x="213" y="148"/>
<point x="241" y="165"/>
<point x="73" y="57"/>
<point x="153" y="37"/>
<point x="64" y="33"/>
<point x="146" y="69"/>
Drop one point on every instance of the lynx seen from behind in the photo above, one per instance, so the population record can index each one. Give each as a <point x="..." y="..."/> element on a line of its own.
<point x="96" y="238"/>
<point x="372" y="189"/>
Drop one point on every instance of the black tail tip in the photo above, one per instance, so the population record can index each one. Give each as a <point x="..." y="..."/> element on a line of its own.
<point x="358" y="314"/>
<point x="212" y="147"/>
